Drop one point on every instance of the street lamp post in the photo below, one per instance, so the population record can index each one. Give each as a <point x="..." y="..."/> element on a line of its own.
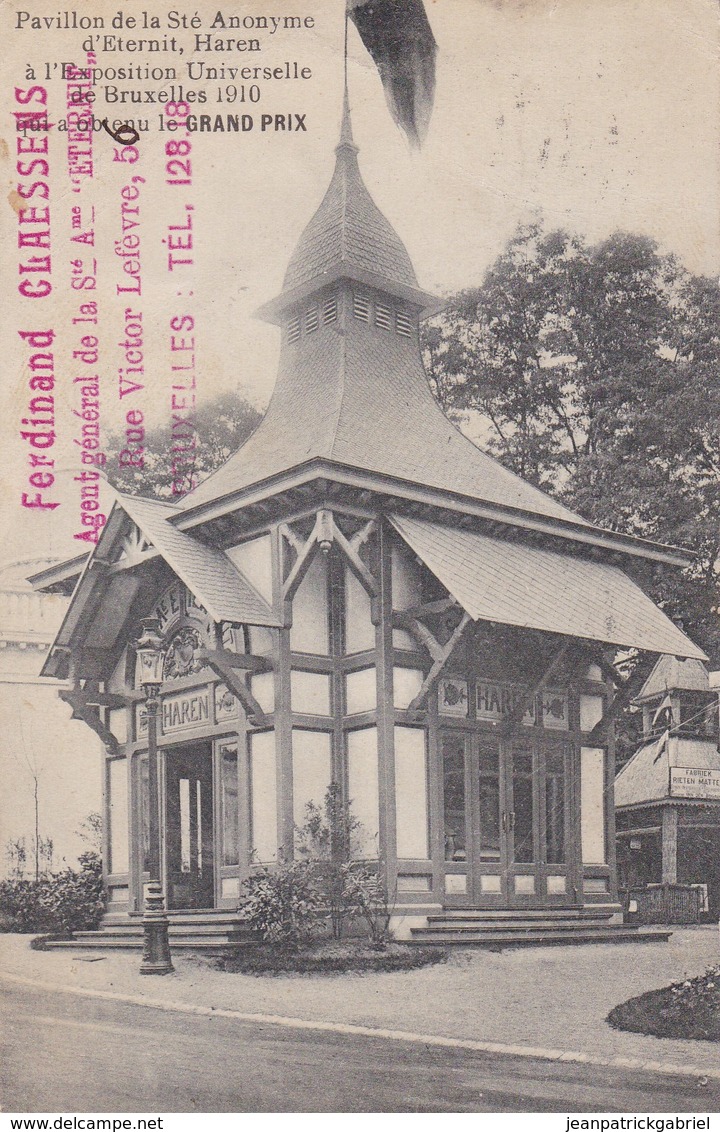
<point x="156" y="946"/>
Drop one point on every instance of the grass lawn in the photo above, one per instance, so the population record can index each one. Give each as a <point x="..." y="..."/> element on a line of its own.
<point x="690" y="1009"/>
<point x="326" y="957"/>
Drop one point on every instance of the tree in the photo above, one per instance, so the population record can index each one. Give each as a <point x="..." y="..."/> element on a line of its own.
<point x="596" y="371"/>
<point x="174" y="461"/>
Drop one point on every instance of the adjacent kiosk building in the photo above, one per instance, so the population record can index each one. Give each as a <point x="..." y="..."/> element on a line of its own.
<point x="362" y="596"/>
<point x="668" y="798"/>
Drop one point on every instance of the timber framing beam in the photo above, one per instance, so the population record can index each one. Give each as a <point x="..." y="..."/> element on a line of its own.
<point x="223" y="664"/>
<point x="84" y="708"/>
<point x="420" y="632"/>
<point x="514" y="717"/>
<point x="238" y="660"/>
<point x="443" y="605"/>
<point x="439" y="661"/>
<point x="323" y="535"/>
<point x="360" y="537"/>
<point x="624" y="695"/>
<point x="128" y="563"/>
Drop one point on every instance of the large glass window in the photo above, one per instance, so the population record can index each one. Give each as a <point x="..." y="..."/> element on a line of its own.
<point x="362" y="764"/>
<point x="312" y="770"/>
<point x="229" y="804"/>
<point x="359" y="629"/>
<point x="453" y="757"/>
<point x="489" y="793"/>
<point x="522" y="785"/>
<point x="555" y="805"/>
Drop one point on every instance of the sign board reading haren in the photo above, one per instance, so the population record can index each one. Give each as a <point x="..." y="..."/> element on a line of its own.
<point x="181" y="712"/>
<point x="694" y="782"/>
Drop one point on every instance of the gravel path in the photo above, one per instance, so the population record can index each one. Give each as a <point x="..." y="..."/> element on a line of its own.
<point x="555" y="997"/>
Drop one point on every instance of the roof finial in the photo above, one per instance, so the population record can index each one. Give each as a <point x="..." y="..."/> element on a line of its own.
<point x="346" y="143"/>
<point x="346" y="137"/>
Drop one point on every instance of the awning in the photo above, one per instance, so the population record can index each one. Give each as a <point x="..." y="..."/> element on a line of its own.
<point x="207" y="572"/>
<point x="514" y="584"/>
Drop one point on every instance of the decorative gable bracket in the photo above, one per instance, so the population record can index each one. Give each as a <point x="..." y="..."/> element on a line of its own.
<point x="324" y="534"/>
<point x="86" y="706"/>
<point x="230" y="666"/>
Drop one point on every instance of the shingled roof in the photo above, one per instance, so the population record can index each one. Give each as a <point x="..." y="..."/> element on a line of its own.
<point x="348" y="229"/>
<point x="361" y="400"/>
<point x="356" y="395"/>
<point x="207" y="572"/>
<point x="674" y="674"/>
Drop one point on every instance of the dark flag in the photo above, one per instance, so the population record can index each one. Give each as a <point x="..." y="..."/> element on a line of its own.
<point x="400" y="40"/>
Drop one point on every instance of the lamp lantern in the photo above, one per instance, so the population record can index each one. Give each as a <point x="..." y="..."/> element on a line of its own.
<point x="149" y="649"/>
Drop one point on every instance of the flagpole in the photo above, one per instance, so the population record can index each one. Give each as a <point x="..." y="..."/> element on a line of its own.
<point x="345" y="53"/>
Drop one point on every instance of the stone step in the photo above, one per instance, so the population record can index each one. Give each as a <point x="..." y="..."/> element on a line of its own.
<point x="425" y="936"/>
<point x="236" y="927"/>
<point x="214" y="919"/>
<point x="132" y="943"/>
<point x="518" y="925"/>
<point x="503" y="914"/>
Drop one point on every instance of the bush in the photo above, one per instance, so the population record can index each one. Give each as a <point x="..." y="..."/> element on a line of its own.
<point x="688" y="1009"/>
<point x="282" y="904"/>
<point x="366" y="894"/>
<point x="327" y="841"/>
<point x="326" y="957"/>
<point x="68" y="901"/>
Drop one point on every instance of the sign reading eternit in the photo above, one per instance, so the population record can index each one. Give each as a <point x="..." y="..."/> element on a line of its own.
<point x="694" y="782"/>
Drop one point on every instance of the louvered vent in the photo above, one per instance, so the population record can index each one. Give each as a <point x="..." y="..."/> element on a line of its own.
<point x="293" y="329"/>
<point x="403" y="325"/>
<point x="330" y="309"/>
<point x="383" y="316"/>
<point x="361" y="307"/>
<point x="311" y="319"/>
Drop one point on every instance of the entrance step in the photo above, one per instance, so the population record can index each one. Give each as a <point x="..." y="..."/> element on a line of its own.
<point x="206" y="931"/>
<point x="538" y="938"/>
<point x="504" y="915"/>
<point x="518" y="925"/>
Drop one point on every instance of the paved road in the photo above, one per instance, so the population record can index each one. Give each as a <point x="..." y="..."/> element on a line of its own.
<point x="61" y="1053"/>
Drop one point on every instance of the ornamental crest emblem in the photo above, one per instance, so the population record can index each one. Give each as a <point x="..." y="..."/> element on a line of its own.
<point x="180" y="656"/>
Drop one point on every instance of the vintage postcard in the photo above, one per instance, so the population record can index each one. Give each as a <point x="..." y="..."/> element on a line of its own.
<point x="360" y="473"/>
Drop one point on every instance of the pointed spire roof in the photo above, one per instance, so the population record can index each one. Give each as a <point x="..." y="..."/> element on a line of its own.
<point x="348" y="237"/>
<point x="674" y="674"/>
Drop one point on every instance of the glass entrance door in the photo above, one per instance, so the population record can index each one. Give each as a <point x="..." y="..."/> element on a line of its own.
<point x="507" y="812"/>
<point x="189" y="826"/>
<point x="473" y="798"/>
<point x="537" y="835"/>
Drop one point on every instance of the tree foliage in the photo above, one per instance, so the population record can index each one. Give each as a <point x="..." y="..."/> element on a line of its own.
<point x="174" y="460"/>
<point x="596" y="373"/>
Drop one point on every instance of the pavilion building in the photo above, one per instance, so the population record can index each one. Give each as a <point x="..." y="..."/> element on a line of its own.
<point x="361" y="596"/>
